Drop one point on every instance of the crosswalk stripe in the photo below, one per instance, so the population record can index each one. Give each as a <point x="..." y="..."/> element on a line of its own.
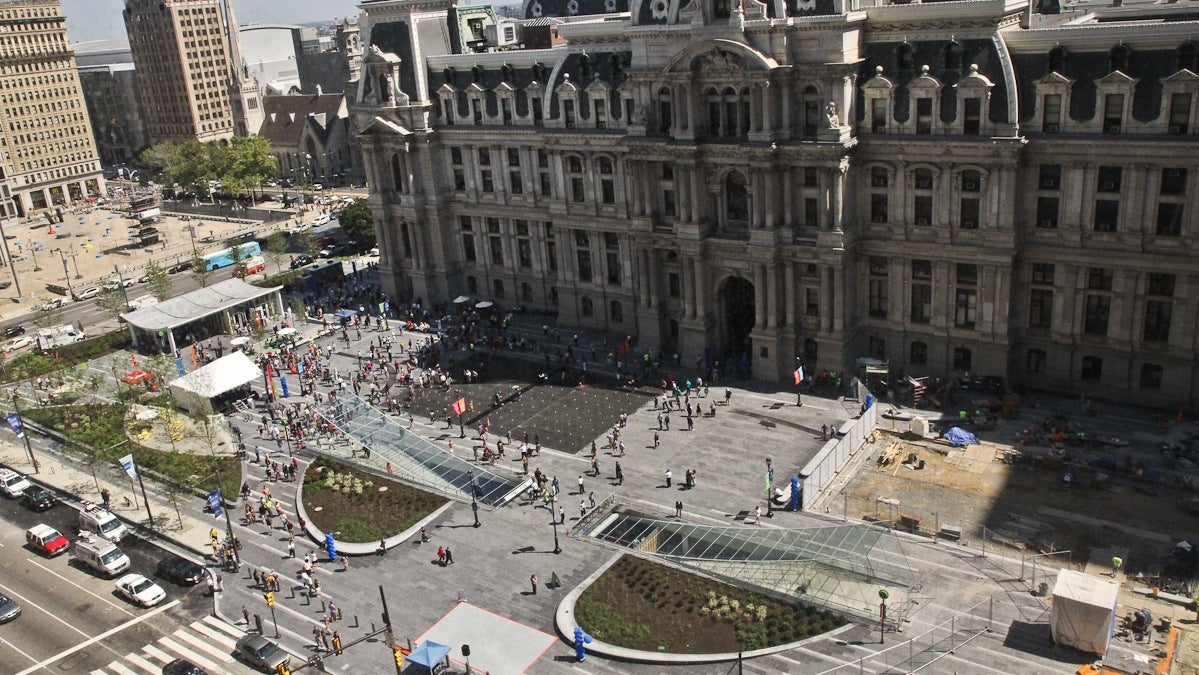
<point x="203" y="646"/>
<point x="141" y="662"/>
<point x="120" y="668"/>
<point x="186" y="653"/>
<point x="232" y="631"/>
<point x="158" y="654"/>
<point x="226" y="642"/>
<point x="97" y="672"/>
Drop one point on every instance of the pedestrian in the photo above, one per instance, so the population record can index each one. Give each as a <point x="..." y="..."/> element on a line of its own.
<point x="659" y="421"/>
<point x="106" y="497"/>
<point x="582" y="508"/>
<point x="619" y="474"/>
<point x="334" y="612"/>
<point x="345" y="564"/>
<point x="245" y="615"/>
<point x="668" y="477"/>
<point x="291" y="549"/>
<point x="561" y="515"/>
<point x="678" y="509"/>
<point x="424" y="537"/>
<point x="441" y="555"/>
<point x="690" y="423"/>
<point x="758" y="514"/>
<point x="257" y="578"/>
<point x="667" y="419"/>
<point x="449" y="556"/>
<point x="591" y="498"/>
<point x="581" y="490"/>
<point x="382" y="549"/>
<point x="211" y="585"/>
<point x="621" y="446"/>
<point x="657" y="440"/>
<point x="533" y="583"/>
<point x="728" y="396"/>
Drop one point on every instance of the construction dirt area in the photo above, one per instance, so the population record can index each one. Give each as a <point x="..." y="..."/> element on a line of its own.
<point x="1023" y="491"/>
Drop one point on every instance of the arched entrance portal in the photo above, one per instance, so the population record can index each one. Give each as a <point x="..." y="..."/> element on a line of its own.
<point x="736" y="301"/>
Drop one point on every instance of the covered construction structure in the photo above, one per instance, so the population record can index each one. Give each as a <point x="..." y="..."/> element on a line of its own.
<point x="222" y="308"/>
<point x="1083" y="611"/>
<point x="203" y="390"/>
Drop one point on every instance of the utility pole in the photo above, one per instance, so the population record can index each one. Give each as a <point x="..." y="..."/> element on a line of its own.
<point x="391" y="638"/>
<point x="124" y="293"/>
<point x="12" y="266"/>
<point x="66" y="273"/>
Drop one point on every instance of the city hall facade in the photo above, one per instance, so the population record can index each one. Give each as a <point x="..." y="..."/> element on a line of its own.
<point x="981" y="187"/>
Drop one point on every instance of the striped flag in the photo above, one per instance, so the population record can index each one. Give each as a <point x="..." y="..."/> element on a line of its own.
<point x="799" y="375"/>
<point x="459" y="406"/>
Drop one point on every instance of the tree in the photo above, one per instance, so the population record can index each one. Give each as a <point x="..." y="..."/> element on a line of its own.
<point x="112" y="300"/>
<point x="358" y="223"/>
<point x="200" y="271"/>
<point x="276" y="249"/>
<point x="246" y="164"/>
<point x="158" y="280"/>
<point x="240" y="165"/>
<point x="48" y="318"/>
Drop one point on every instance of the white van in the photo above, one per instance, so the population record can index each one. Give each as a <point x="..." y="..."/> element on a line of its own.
<point x="100" y="522"/>
<point x="101" y="555"/>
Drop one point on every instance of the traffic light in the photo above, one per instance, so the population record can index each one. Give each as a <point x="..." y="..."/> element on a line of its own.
<point x="282" y="669"/>
<point x="399" y="658"/>
<point x="337" y="643"/>
<point x="270" y="598"/>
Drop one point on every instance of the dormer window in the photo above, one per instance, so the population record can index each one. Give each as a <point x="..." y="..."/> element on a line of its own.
<point x="1179" y="94"/>
<point x="877" y="94"/>
<point x="1114" y="100"/>
<point x="1120" y="57"/>
<point x="974" y="92"/>
<point x="926" y="93"/>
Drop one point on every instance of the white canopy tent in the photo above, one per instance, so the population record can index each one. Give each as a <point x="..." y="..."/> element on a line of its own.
<point x="1083" y="612"/>
<point x="196" y="390"/>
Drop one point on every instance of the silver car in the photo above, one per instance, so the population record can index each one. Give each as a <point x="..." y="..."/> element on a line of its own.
<point x="9" y="609"/>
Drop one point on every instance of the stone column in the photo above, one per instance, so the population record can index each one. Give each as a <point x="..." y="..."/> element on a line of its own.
<point x="643" y="278"/>
<point x="789" y="197"/>
<point x="652" y="261"/>
<point x="789" y="294"/>
<point x="755" y="110"/>
<point x="696" y="189"/>
<point x="770" y="192"/>
<point x="683" y="194"/>
<point x="836" y="196"/>
<point x="772" y="295"/>
<point x="759" y="296"/>
<point x="688" y="280"/>
<point x="700" y="287"/>
<point x="826" y="295"/>
<point x="838" y="295"/>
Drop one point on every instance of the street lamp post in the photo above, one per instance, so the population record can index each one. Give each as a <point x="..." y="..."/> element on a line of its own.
<point x="769" y="489"/>
<point x="474" y="503"/>
<point x="66" y="273"/>
<point x="24" y="434"/>
<point x="33" y="254"/>
<point x="74" y="255"/>
<point x="554" y="521"/>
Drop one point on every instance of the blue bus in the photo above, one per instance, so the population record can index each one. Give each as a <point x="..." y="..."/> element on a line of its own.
<point x="225" y="257"/>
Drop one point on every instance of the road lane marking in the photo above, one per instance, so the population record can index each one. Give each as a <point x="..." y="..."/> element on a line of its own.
<point x="34" y="561"/>
<point x="31" y="603"/>
<point x="112" y="631"/>
<point x="31" y="657"/>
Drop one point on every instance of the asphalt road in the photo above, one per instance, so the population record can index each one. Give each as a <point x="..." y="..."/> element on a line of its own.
<point x="72" y="620"/>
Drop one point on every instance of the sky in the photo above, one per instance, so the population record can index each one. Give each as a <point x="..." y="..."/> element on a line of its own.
<point x="101" y="19"/>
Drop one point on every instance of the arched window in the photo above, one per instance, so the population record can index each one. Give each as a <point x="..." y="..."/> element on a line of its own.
<point x="1187" y="52"/>
<point x="1120" y="57"/>
<point x="497" y="288"/>
<point x="607" y="179"/>
<point x="905" y="59"/>
<point x="952" y="54"/>
<point x="665" y="111"/>
<point x="397" y="173"/>
<point x="586" y="306"/>
<point x="918" y="354"/>
<point x="616" y="312"/>
<point x="810" y="105"/>
<point x="574" y="178"/>
<point x="736" y="204"/>
<point x="1057" y="59"/>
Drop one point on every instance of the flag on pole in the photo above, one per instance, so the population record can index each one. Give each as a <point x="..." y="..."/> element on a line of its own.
<point x="14" y="421"/>
<point x="128" y="465"/>
<point x="459" y="406"/>
<point x="799" y="375"/>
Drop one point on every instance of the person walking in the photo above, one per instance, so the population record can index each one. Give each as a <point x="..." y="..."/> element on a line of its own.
<point x="291" y="549"/>
<point x="345" y="563"/>
<point x="619" y="474"/>
<point x="660" y="421"/>
<point x="657" y="440"/>
<point x="441" y="556"/>
<point x="591" y="498"/>
<point x="758" y="514"/>
<point x="678" y="509"/>
<point x="581" y="490"/>
<point x="533" y="583"/>
<point x="449" y="556"/>
<point x="668" y="477"/>
<point x="582" y="509"/>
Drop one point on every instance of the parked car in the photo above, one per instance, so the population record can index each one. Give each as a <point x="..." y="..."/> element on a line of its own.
<point x="140" y="590"/>
<point x="331" y="251"/>
<point x="261" y="652"/>
<point x="300" y="261"/>
<point x="182" y="667"/>
<point x="321" y="220"/>
<point x="56" y="303"/>
<point x="141" y="377"/>
<point x="88" y="293"/>
<point x="180" y="571"/>
<point x="38" y="498"/>
<point x="13" y="484"/>
<point x="18" y="343"/>
<point x="13" y="331"/>
<point x="9" y="609"/>
<point x="181" y="266"/>
<point x="46" y="539"/>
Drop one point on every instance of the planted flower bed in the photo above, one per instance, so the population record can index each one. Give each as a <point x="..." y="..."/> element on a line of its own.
<point x="361" y="507"/>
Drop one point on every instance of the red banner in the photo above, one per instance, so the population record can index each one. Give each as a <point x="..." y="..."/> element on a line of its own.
<point x="459" y="406"/>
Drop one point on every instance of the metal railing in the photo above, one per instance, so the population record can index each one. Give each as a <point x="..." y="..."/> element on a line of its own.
<point x="924" y="650"/>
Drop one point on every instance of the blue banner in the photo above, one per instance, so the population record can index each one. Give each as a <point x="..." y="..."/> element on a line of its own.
<point x="283" y="381"/>
<point x="214" y="503"/>
<point x="128" y="466"/>
<point x="14" y="421"/>
<point x="179" y="367"/>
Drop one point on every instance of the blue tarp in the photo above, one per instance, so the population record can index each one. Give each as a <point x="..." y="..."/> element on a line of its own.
<point x="959" y="437"/>
<point x="429" y="654"/>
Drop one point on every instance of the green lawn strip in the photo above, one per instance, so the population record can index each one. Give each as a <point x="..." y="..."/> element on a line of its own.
<point x="640" y="604"/>
<point x="350" y="503"/>
<point x="32" y="364"/>
<point x="97" y="429"/>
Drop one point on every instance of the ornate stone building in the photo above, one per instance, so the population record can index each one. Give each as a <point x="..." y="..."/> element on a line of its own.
<point x="47" y="152"/>
<point x="980" y="187"/>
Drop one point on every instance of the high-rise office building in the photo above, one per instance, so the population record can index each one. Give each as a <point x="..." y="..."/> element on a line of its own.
<point x="184" y="58"/>
<point x="49" y="155"/>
